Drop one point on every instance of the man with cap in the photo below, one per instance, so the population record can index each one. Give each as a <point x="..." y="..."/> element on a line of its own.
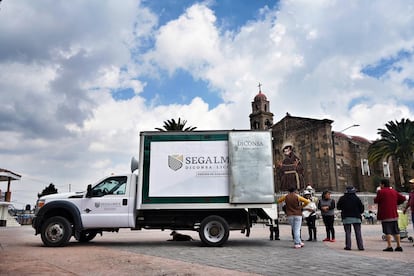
<point x="351" y="209"/>
<point x="410" y="203"/>
<point x="290" y="170"/>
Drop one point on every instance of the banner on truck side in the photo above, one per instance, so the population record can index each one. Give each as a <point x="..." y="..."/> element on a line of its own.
<point x="251" y="169"/>
<point x="189" y="169"/>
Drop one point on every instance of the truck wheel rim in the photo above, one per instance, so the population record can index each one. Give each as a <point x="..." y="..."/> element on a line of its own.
<point x="214" y="232"/>
<point x="55" y="232"/>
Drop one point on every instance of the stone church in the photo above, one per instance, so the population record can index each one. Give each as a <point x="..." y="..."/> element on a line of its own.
<point x="331" y="160"/>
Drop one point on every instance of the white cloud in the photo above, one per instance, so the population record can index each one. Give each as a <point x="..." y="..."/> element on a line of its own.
<point x="189" y="42"/>
<point x="59" y="66"/>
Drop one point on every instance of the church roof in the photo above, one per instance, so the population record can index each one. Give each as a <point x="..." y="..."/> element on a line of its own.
<point x="295" y="118"/>
<point x="360" y="139"/>
<point x="260" y="97"/>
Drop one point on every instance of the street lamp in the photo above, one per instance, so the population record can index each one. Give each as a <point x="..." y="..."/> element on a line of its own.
<point x="334" y="154"/>
<point x="349" y="127"/>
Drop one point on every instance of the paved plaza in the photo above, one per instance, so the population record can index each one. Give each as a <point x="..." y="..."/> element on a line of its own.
<point x="148" y="252"/>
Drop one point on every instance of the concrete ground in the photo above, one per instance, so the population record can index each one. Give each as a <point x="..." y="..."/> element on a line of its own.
<point x="148" y="252"/>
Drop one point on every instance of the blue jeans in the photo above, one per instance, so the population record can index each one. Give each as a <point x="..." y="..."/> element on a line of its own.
<point x="296" y="223"/>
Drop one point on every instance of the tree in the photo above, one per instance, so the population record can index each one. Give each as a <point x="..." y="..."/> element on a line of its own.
<point x="48" y="190"/>
<point x="396" y="143"/>
<point x="171" y="125"/>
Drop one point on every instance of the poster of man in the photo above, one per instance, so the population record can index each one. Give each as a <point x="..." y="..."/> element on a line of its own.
<point x="290" y="169"/>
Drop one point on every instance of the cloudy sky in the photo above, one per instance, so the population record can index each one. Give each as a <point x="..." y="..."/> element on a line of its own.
<point x="80" y="79"/>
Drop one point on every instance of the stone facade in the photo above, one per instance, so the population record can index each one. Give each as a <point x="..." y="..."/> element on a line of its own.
<point x="351" y="154"/>
<point x="331" y="160"/>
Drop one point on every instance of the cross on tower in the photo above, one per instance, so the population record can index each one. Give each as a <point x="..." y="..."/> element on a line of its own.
<point x="260" y="87"/>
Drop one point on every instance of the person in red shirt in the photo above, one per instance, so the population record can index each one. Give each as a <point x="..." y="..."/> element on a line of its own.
<point x="388" y="200"/>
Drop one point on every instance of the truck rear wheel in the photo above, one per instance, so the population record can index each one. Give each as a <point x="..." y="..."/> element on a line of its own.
<point x="56" y="231"/>
<point x="214" y="231"/>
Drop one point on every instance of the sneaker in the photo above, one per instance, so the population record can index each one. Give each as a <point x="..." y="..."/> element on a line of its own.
<point x="332" y="240"/>
<point x="361" y="249"/>
<point x="388" y="249"/>
<point x="347" y="248"/>
<point x="297" y="246"/>
<point x="399" y="248"/>
<point x="302" y="244"/>
<point x="326" y="239"/>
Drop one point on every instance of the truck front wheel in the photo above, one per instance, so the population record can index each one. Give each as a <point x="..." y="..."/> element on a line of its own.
<point x="56" y="231"/>
<point x="214" y="231"/>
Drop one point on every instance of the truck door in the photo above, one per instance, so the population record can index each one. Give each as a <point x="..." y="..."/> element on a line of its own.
<point x="108" y="204"/>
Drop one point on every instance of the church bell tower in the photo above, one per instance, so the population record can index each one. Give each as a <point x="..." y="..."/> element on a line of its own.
<point x="260" y="118"/>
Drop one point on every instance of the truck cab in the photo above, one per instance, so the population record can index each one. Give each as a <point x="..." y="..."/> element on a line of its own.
<point x="106" y="206"/>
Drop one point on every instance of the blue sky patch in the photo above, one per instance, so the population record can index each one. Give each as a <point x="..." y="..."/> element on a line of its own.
<point x="409" y="82"/>
<point x="356" y="101"/>
<point x="385" y="64"/>
<point x="230" y="14"/>
<point x="123" y="94"/>
<point x="181" y="88"/>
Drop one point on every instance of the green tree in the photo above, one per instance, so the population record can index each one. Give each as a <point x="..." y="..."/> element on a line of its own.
<point x="51" y="189"/>
<point x="171" y="125"/>
<point x="396" y="143"/>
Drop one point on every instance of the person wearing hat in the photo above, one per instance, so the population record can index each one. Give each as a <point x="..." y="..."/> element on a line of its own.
<point x="309" y="214"/>
<point x="410" y="203"/>
<point x="351" y="208"/>
<point x="290" y="170"/>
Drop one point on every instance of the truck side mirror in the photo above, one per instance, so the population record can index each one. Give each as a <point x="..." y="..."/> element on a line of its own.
<point x="89" y="191"/>
<point x="134" y="164"/>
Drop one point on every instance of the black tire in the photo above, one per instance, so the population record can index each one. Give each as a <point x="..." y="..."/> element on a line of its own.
<point x="56" y="231"/>
<point x="214" y="231"/>
<point x="86" y="236"/>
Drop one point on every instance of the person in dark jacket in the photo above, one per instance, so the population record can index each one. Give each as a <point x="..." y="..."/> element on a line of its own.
<point x="351" y="209"/>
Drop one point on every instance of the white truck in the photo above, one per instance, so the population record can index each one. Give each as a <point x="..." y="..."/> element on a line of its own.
<point x="207" y="181"/>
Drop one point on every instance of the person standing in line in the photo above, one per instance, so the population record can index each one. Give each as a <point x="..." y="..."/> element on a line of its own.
<point x="388" y="200"/>
<point x="410" y="203"/>
<point x="294" y="204"/>
<point x="309" y="213"/>
<point x="327" y="206"/>
<point x="274" y="230"/>
<point x="351" y="209"/>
